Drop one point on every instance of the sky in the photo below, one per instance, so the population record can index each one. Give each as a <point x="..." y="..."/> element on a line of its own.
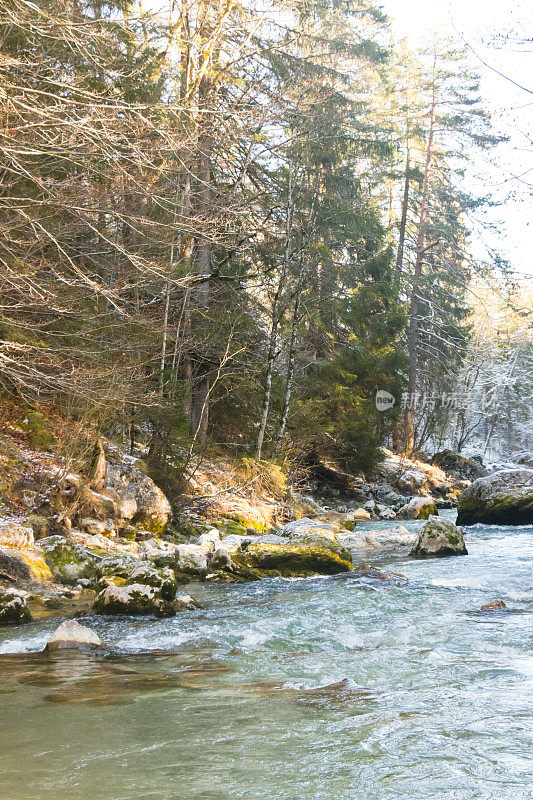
<point x="506" y="174"/>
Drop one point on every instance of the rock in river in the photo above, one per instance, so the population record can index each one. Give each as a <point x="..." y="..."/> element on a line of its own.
<point x="135" y="599"/>
<point x="503" y="498"/>
<point x="494" y="605"/>
<point x="13" y="610"/>
<point x="67" y="559"/>
<point x="293" y="560"/>
<point x="71" y="636"/>
<point x="418" y="508"/>
<point x="438" y="537"/>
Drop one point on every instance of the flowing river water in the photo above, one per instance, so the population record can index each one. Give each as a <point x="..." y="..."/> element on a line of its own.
<point x="318" y="689"/>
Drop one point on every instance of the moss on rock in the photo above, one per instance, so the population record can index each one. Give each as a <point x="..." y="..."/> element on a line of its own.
<point x="25" y="566"/>
<point x="136" y="599"/>
<point x="503" y="498"/>
<point x="437" y="538"/>
<point x="67" y="560"/>
<point x="292" y="560"/>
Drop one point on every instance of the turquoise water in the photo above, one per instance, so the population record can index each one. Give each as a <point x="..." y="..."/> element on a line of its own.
<point x="235" y="700"/>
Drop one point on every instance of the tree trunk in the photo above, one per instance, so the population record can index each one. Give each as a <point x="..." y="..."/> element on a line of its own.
<point x="403" y="221"/>
<point x="200" y="388"/>
<point x="291" y="363"/>
<point x="273" y="339"/>
<point x="97" y="474"/>
<point x="417" y="274"/>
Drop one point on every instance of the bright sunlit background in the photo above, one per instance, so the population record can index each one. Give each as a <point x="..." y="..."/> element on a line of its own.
<point x="495" y="30"/>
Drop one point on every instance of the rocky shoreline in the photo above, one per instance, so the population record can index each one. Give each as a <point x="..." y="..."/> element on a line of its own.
<point x="107" y="543"/>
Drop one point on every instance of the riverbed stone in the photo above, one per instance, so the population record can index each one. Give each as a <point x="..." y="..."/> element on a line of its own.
<point x="127" y="573"/>
<point x="13" y="609"/>
<point x="137" y="599"/>
<point x="439" y="537"/>
<point x="292" y="559"/>
<point x="191" y="559"/>
<point x="503" y="498"/>
<point x="375" y="541"/>
<point x="184" y="602"/>
<point x="494" y="605"/>
<point x="210" y="538"/>
<point x="72" y="636"/>
<point x="375" y="573"/>
<point x="418" y="508"/>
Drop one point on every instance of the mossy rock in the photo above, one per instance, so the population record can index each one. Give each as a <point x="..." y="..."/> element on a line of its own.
<point x="439" y="538"/>
<point x="502" y="510"/>
<point x="67" y="560"/>
<point x="245" y="523"/>
<point x="25" y="566"/>
<point x="427" y="511"/>
<point x="230" y="527"/>
<point x="145" y="521"/>
<point x="127" y="573"/>
<point x="503" y="498"/>
<point x="292" y="560"/>
<point x="118" y="598"/>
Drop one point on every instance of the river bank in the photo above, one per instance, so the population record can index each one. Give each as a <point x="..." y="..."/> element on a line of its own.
<point x="112" y="532"/>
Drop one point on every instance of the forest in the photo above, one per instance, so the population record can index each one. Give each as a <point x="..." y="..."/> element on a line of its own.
<point x="266" y="399"/>
<point x="232" y="225"/>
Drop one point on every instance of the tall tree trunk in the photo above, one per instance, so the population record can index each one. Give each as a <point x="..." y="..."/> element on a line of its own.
<point x="200" y="389"/>
<point x="415" y="288"/>
<point x="164" y="339"/>
<point x="273" y="338"/>
<point x="403" y="220"/>
<point x="291" y="362"/>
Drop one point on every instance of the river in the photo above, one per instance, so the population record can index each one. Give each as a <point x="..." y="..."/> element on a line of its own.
<point x="238" y="699"/>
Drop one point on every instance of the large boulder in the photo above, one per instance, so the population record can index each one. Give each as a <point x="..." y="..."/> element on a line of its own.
<point x="135" y="599"/>
<point x="13" y="609"/>
<point x="267" y="559"/>
<point x="410" y="476"/>
<point x="191" y="559"/>
<point x="418" y="508"/>
<point x="125" y="572"/>
<point x="458" y="466"/>
<point x="72" y="636"/>
<point x="439" y="537"/>
<point x="333" y="481"/>
<point x="13" y="534"/>
<point x="68" y="561"/>
<point x="139" y="500"/>
<point x="503" y="498"/>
